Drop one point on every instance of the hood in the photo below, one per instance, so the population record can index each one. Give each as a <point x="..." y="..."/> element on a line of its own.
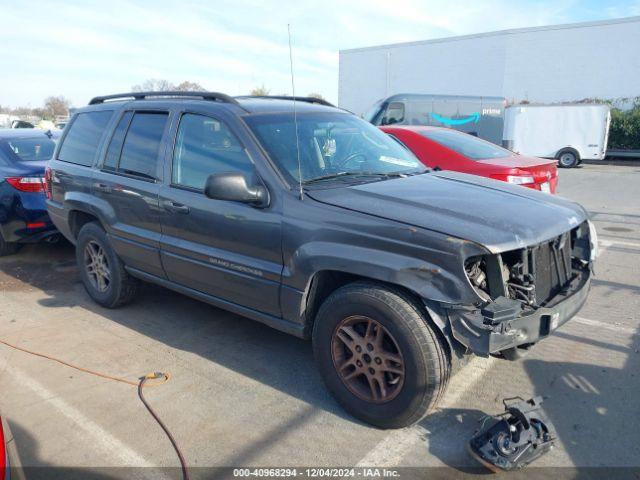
<point x="494" y="214"/>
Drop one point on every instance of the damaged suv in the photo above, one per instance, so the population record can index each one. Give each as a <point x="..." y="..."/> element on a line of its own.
<point x="304" y="217"/>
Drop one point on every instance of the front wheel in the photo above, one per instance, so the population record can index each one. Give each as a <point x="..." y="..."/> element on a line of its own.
<point x="378" y="355"/>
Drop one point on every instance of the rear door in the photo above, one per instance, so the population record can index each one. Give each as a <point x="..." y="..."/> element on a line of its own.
<point x="228" y="250"/>
<point x="128" y="182"/>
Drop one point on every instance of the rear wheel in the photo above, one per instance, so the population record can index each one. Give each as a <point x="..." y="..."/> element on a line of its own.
<point x="101" y="270"/>
<point x="8" y="248"/>
<point x="378" y="355"/>
<point x="568" y="158"/>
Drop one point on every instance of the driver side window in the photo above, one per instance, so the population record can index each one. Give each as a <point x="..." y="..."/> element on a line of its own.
<point x="204" y="146"/>
<point x="393" y="114"/>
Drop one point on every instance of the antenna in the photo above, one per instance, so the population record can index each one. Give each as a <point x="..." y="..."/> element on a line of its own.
<point x="295" y="113"/>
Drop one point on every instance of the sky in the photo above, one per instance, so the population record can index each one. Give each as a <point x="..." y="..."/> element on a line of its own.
<point x="81" y="49"/>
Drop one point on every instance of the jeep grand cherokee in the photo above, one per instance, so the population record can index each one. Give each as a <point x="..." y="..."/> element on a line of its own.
<point x="304" y="217"/>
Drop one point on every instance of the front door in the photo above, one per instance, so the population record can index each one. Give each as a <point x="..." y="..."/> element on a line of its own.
<point x="229" y="250"/>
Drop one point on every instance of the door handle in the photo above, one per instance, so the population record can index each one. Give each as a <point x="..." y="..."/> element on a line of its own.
<point x="175" y="207"/>
<point x="102" y="187"/>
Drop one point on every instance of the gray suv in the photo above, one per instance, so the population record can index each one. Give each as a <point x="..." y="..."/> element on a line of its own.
<point x="303" y="216"/>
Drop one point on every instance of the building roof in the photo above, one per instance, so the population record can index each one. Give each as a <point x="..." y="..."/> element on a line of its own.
<point x="512" y="31"/>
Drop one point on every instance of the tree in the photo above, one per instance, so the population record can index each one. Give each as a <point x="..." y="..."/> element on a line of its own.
<point x="188" y="86"/>
<point x="162" y="85"/>
<point x="260" y="91"/>
<point x="316" y="95"/>
<point x="56" y="106"/>
<point x="154" y="85"/>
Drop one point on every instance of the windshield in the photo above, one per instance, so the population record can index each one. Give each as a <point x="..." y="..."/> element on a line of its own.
<point x="332" y="145"/>
<point x="465" y="144"/>
<point x="373" y="111"/>
<point x="32" y="149"/>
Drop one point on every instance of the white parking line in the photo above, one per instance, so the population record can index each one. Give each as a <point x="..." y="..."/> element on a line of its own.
<point x="611" y="243"/>
<point x="608" y="326"/>
<point x="391" y="450"/>
<point x="109" y="445"/>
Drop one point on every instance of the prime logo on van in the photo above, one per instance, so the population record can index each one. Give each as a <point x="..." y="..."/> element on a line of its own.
<point x="473" y="118"/>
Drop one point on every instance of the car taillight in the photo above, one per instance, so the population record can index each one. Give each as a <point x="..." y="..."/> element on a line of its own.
<point x="515" y="179"/>
<point x="27" y="184"/>
<point x="47" y="183"/>
<point x="520" y="179"/>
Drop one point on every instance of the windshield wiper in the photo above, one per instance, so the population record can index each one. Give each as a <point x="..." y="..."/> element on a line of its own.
<point x="356" y="174"/>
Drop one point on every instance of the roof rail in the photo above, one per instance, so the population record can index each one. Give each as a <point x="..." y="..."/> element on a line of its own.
<point x="319" y="101"/>
<point x="213" y="96"/>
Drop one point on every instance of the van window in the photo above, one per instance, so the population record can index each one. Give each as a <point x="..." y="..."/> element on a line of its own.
<point x="142" y="144"/>
<point x="81" y="142"/>
<point x="115" y="146"/>
<point x="205" y="146"/>
<point x="394" y="113"/>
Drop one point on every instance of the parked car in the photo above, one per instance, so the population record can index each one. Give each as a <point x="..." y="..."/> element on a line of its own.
<point x="322" y="226"/>
<point x="10" y="468"/>
<point x="22" y="124"/>
<point x="452" y="150"/>
<point x="23" y="212"/>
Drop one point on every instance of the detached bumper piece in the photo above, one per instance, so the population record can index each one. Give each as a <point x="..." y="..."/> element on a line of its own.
<point x="519" y="437"/>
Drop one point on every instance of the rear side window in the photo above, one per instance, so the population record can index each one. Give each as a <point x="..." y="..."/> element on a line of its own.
<point x="142" y="144"/>
<point x="465" y="144"/>
<point x="81" y="142"/>
<point x="115" y="146"/>
<point x="205" y="146"/>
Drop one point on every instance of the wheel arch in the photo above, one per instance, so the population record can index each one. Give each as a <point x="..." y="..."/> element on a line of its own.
<point x="83" y="208"/>
<point x="325" y="282"/>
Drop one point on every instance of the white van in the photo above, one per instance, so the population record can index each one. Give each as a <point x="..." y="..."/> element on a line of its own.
<point x="569" y="133"/>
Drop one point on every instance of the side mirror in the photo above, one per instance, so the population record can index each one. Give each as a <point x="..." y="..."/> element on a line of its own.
<point x="236" y="187"/>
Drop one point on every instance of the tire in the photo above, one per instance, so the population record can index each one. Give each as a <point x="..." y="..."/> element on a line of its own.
<point x="121" y="287"/>
<point x="8" y="248"/>
<point x="406" y="335"/>
<point x="568" y="158"/>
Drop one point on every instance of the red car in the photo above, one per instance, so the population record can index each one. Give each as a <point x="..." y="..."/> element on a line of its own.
<point x="453" y="150"/>
<point x="10" y="468"/>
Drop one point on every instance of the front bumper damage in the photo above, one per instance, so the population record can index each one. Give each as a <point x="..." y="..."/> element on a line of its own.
<point x="505" y="325"/>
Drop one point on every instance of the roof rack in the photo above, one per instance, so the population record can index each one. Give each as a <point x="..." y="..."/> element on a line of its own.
<point x="319" y="101"/>
<point x="213" y="96"/>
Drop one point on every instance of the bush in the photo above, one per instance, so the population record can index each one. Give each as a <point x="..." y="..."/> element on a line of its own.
<point x="624" y="132"/>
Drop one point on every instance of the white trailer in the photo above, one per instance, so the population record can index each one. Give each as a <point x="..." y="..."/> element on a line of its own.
<point x="569" y="133"/>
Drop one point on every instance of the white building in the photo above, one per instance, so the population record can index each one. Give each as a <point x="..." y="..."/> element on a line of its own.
<point x="541" y="64"/>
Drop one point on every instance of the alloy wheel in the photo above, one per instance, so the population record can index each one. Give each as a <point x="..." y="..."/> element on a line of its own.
<point x="97" y="266"/>
<point x="368" y="359"/>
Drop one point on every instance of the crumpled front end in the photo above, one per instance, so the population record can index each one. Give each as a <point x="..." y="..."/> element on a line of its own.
<point x="525" y="294"/>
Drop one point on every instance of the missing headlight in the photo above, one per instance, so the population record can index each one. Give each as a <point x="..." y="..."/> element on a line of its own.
<point x="476" y="269"/>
